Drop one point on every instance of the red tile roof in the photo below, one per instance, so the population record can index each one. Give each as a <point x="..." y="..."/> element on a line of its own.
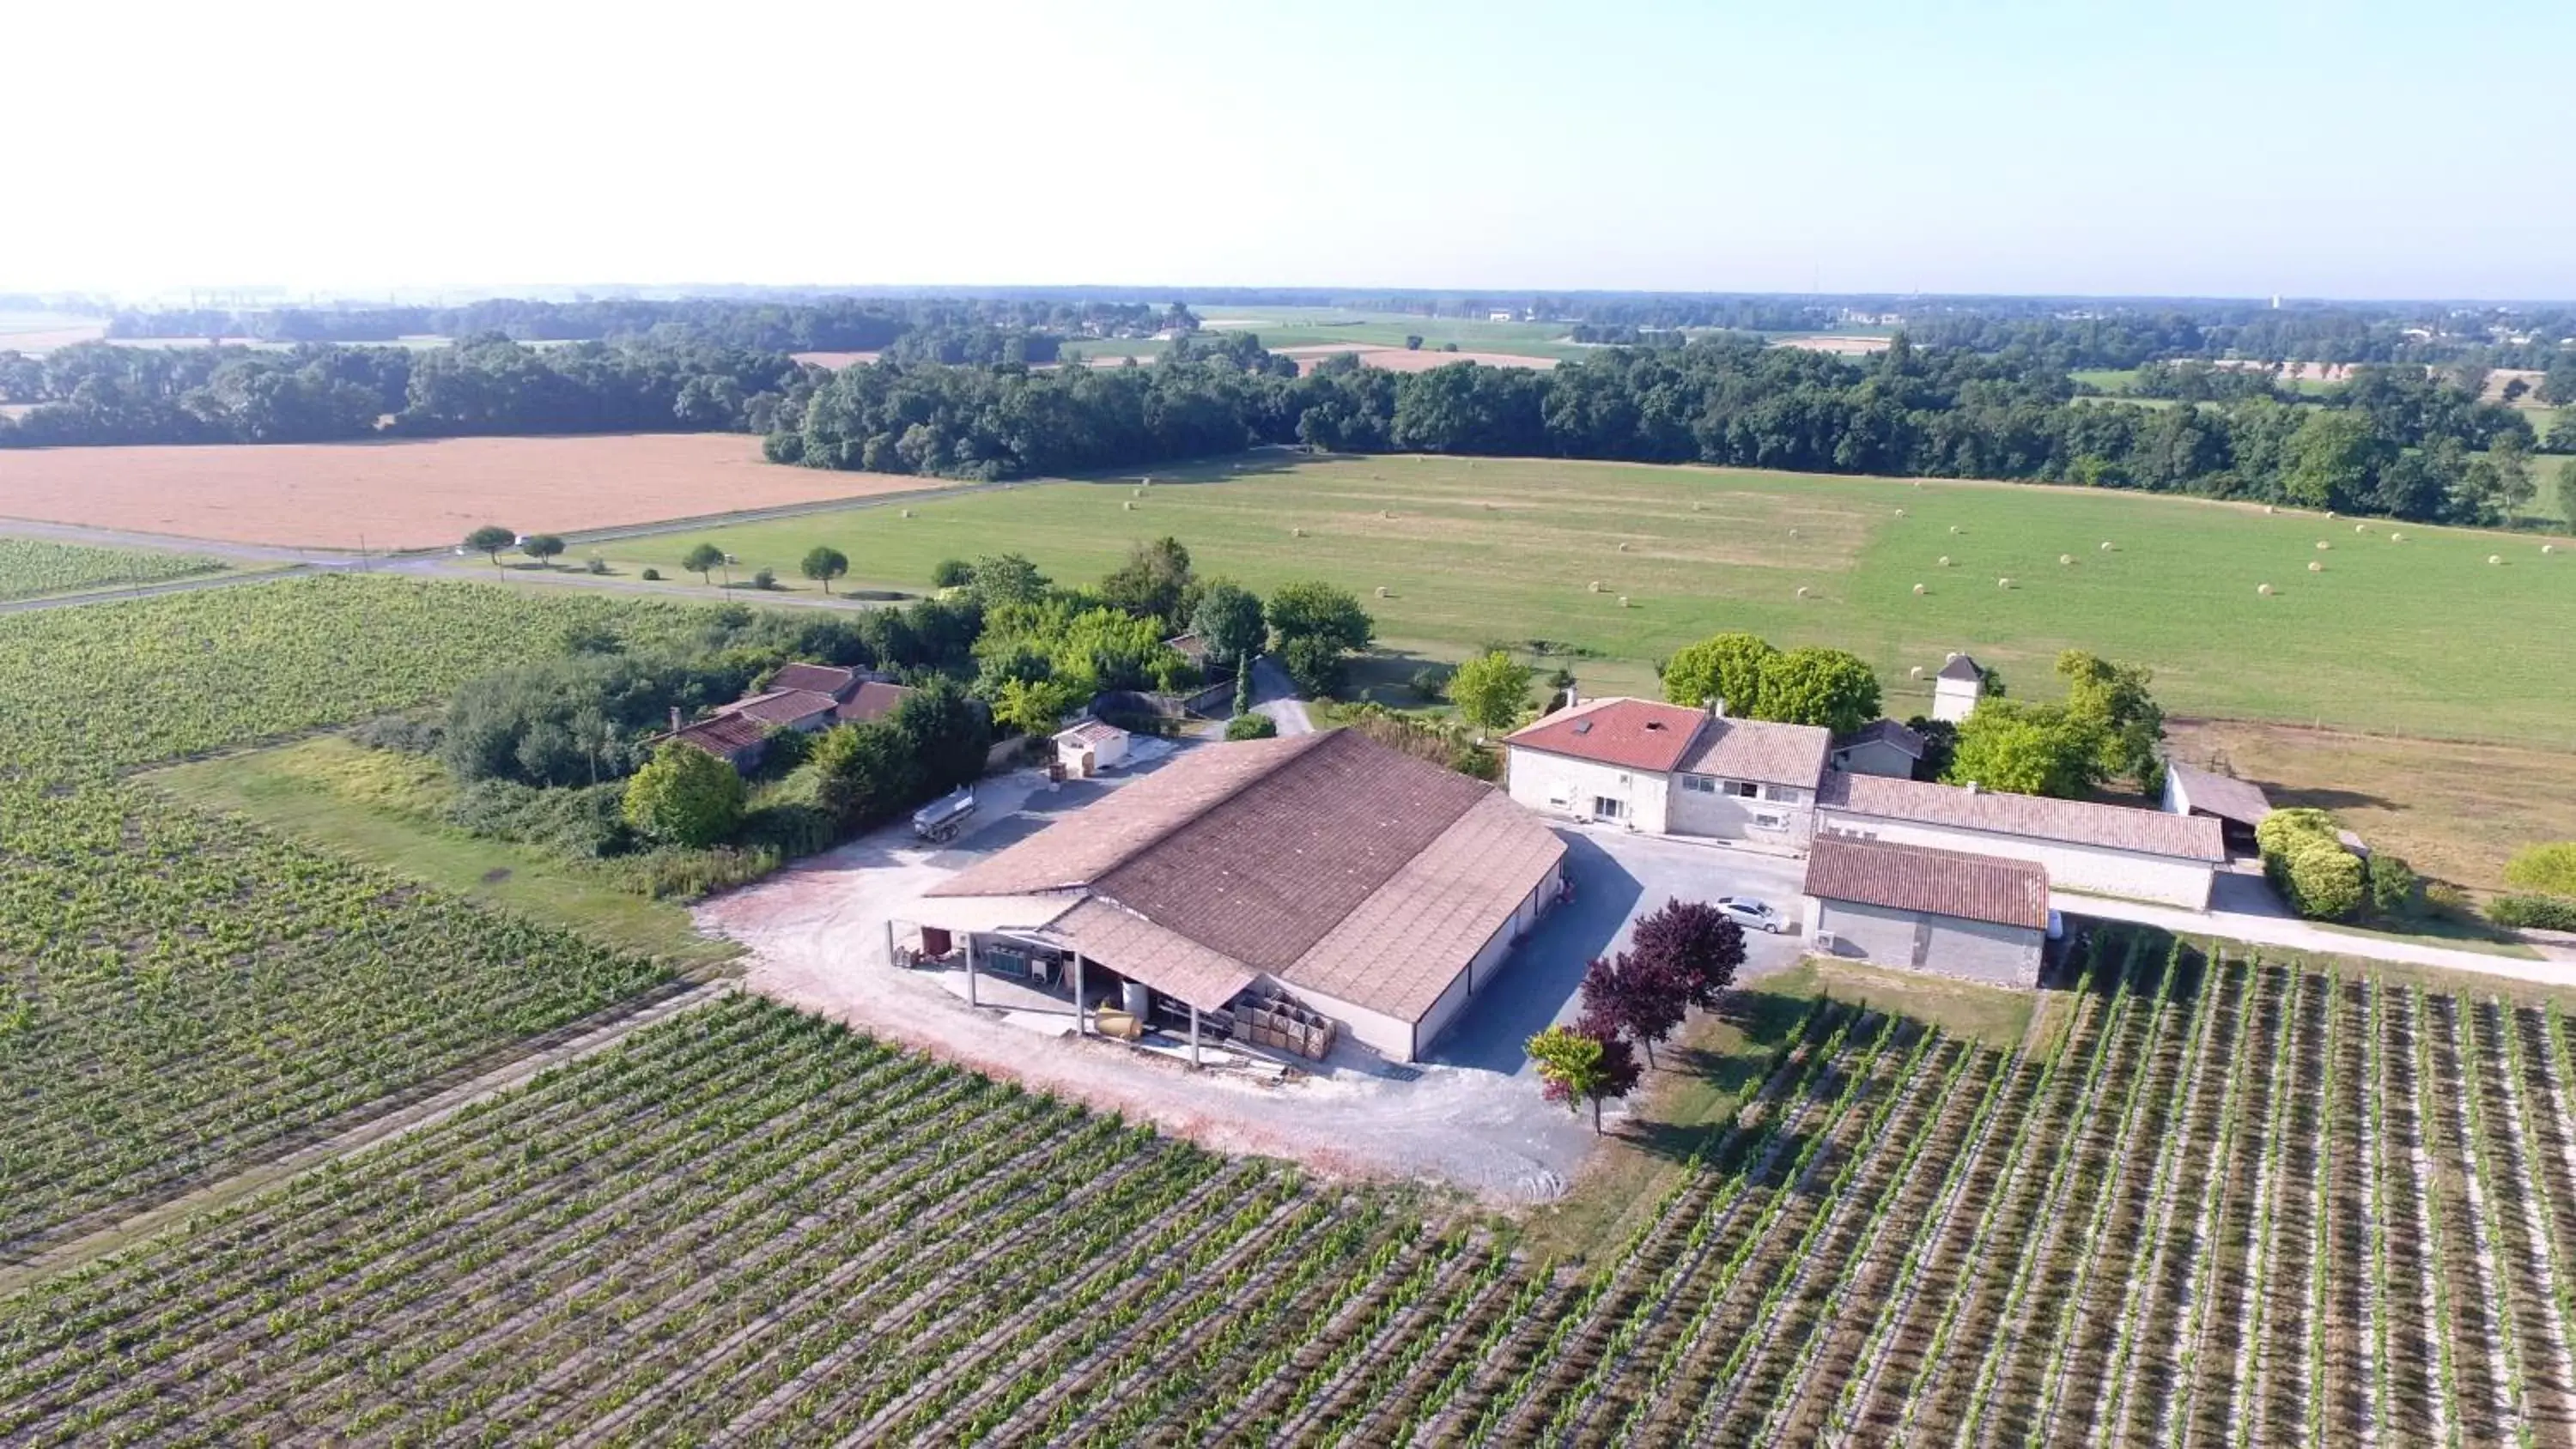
<point x="1093" y="732"/>
<point x="1940" y="882"/>
<point x="2075" y="822"/>
<point x="871" y="701"/>
<point x="1633" y="734"/>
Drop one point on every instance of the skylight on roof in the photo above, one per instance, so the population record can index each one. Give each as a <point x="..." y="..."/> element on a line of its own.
<point x="1583" y="727"/>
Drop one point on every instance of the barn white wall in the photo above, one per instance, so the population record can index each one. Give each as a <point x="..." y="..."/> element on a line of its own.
<point x="1390" y="1037"/>
<point x="1721" y="816"/>
<point x="1876" y="757"/>
<point x="2091" y="869"/>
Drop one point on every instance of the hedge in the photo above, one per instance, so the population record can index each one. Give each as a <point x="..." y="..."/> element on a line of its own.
<point x="2308" y="865"/>
<point x="2539" y="913"/>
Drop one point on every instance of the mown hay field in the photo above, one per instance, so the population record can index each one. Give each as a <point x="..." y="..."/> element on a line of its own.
<point x="413" y="493"/>
<point x="2421" y="636"/>
<point x="2233" y="1201"/>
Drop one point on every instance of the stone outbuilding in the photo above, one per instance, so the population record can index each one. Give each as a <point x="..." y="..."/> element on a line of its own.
<point x="1977" y="917"/>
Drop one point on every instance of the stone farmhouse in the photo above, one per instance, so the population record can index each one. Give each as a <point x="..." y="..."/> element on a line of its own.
<point x="1671" y="770"/>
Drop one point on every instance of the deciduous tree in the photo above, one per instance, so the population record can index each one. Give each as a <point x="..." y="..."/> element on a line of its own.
<point x="824" y="563"/>
<point x="1490" y="690"/>
<point x="490" y="539"/>
<point x="702" y="560"/>
<point x="1633" y="999"/>
<point x="1815" y="686"/>
<point x="1721" y="666"/>
<point x="1228" y="619"/>
<point x="545" y="548"/>
<point x="2028" y="749"/>
<point x="1579" y="1066"/>
<point x="1692" y="943"/>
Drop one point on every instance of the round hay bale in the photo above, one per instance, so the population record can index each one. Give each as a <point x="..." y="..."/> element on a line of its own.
<point x="2361" y="528"/>
<point x="2495" y="558"/>
<point x="1802" y="591"/>
<point x="1491" y="505"/>
<point x="1793" y="533"/>
<point x="2066" y="558"/>
<point x="1386" y="513"/>
<point x="2316" y="567"/>
<point x="1138" y="492"/>
<point x="2264" y="589"/>
<point x="1918" y="588"/>
<point x="1915" y="673"/>
<point x="2268" y="508"/>
<point x="2396" y="538"/>
<point x="1954" y="528"/>
<point x="1381" y="591"/>
<point x="2003" y="583"/>
<point x="2322" y="545"/>
<point x="1623" y="545"/>
<point x="1900" y="513"/>
<point x="2549" y="548"/>
<point x="907" y="513"/>
<point x="1596" y="586"/>
<point x="1296" y="533"/>
<point x="1623" y="601"/>
<point x="2330" y="513"/>
<point x="1129" y="505"/>
<point x="1697" y="507"/>
<point x="1148" y="480"/>
<point x="1945" y="560"/>
<point x="2106" y="545"/>
<point x="1950" y="658"/>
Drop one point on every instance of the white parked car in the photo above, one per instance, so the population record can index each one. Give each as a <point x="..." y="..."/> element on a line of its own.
<point x="1753" y="915"/>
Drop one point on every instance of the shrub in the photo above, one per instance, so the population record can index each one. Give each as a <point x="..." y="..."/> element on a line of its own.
<point x="951" y="573"/>
<point x="2538" y="913"/>
<point x="652" y="576"/>
<point x="2549" y="870"/>
<point x="595" y="564"/>
<point x="1251" y="727"/>
<point x="2395" y="889"/>
<point x="1315" y="663"/>
<point x="399" y="732"/>
<point x="765" y="579"/>
<point x="2309" y="866"/>
<point x="1429" y="683"/>
<point x="686" y="796"/>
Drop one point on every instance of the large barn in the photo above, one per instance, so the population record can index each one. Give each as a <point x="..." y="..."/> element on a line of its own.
<point x="1379" y="890"/>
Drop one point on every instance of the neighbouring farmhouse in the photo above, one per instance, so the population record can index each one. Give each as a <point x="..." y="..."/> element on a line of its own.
<point x="1978" y="917"/>
<point x="1670" y="769"/>
<point x="1957" y="688"/>
<point x="2103" y="850"/>
<point x="1322" y="875"/>
<point x="803" y="697"/>
<point x="2237" y="805"/>
<point x="1881" y="747"/>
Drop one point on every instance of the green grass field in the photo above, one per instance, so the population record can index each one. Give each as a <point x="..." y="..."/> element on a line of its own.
<point x="2420" y="637"/>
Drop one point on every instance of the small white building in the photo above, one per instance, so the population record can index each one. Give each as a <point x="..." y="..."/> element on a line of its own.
<point x="1957" y="688"/>
<point x="2237" y="805"/>
<point x="1881" y="747"/>
<point x="1976" y="917"/>
<point x="1090" y="747"/>
<point x="2103" y="850"/>
<point x="1670" y="769"/>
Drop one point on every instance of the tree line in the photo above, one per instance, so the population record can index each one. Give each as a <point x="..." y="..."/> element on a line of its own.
<point x="825" y="324"/>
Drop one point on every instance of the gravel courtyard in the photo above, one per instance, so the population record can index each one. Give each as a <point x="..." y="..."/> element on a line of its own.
<point x="1472" y="1117"/>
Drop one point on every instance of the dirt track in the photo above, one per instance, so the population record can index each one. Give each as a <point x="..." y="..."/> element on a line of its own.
<point x="412" y="494"/>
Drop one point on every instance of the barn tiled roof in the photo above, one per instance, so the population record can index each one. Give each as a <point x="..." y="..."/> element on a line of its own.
<point x="1761" y="751"/>
<point x="1325" y="860"/>
<point x="2222" y="795"/>
<point x="1633" y="734"/>
<point x="1884" y="731"/>
<point x="2074" y="822"/>
<point x="1941" y="882"/>
<point x="829" y="679"/>
<point x="870" y="700"/>
<point x="1166" y="960"/>
<point x="782" y="706"/>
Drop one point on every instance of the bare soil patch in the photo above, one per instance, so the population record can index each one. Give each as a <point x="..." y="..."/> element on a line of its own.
<point x="1839" y="346"/>
<point x="835" y="360"/>
<point x="1405" y="359"/>
<point x="51" y="338"/>
<point x="411" y="494"/>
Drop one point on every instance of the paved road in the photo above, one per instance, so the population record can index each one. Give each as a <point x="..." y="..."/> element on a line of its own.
<point x="178" y="543"/>
<point x="1275" y="694"/>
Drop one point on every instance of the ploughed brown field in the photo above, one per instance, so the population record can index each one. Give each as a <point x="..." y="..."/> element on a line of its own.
<point x="411" y="494"/>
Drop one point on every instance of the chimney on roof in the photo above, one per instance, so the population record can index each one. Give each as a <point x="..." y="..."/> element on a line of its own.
<point x="1976" y="789"/>
<point x="1716" y="707"/>
<point x="1572" y="698"/>
<point x="675" y="719"/>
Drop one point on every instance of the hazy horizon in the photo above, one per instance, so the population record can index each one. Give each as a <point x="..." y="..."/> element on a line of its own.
<point x="2354" y="152"/>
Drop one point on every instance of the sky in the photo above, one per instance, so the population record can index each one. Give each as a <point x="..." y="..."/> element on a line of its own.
<point x="2354" y="149"/>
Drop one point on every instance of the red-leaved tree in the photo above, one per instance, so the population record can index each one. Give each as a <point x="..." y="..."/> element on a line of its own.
<point x="1580" y="1064"/>
<point x="1633" y="1000"/>
<point x="1692" y="943"/>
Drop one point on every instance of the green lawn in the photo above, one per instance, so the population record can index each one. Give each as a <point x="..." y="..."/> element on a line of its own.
<point x="364" y="804"/>
<point x="1280" y="327"/>
<point x="2112" y="380"/>
<point x="2419" y="637"/>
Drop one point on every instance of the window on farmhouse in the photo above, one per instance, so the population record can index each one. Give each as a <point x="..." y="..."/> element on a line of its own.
<point x="1609" y="809"/>
<point x="1742" y="790"/>
<point x="1701" y="783"/>
<point x="1780" y="794"/>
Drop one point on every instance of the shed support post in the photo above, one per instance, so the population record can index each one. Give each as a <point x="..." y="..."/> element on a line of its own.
<point x="890" y="956"/>
<point x="970" y="970"/>
<point x="1194" y="1034"/>
<point x="1079" y="1029"/>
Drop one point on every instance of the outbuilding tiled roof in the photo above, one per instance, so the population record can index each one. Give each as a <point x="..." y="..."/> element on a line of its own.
<point x="1884" y="731"/>
<point x="869" y="701"/>
<point x="1761" y="751"/>
<point x="829" y="679"/>
<point x="1633" y="734"/>
<point x="1092" y="732"/>
<point x="1324" y="860"/>
<point x="1940" y="882"/>
<point x="1961" y="667"/>
<point x="2222" y="795"/>
<point x="2075" y="822"/>
<point x="782" y="706"/>
<point x="724" y="736"/>
<point x="1166" y="960"/>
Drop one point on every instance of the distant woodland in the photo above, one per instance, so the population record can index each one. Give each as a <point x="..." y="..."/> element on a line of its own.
<point x="962" y="390"/>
